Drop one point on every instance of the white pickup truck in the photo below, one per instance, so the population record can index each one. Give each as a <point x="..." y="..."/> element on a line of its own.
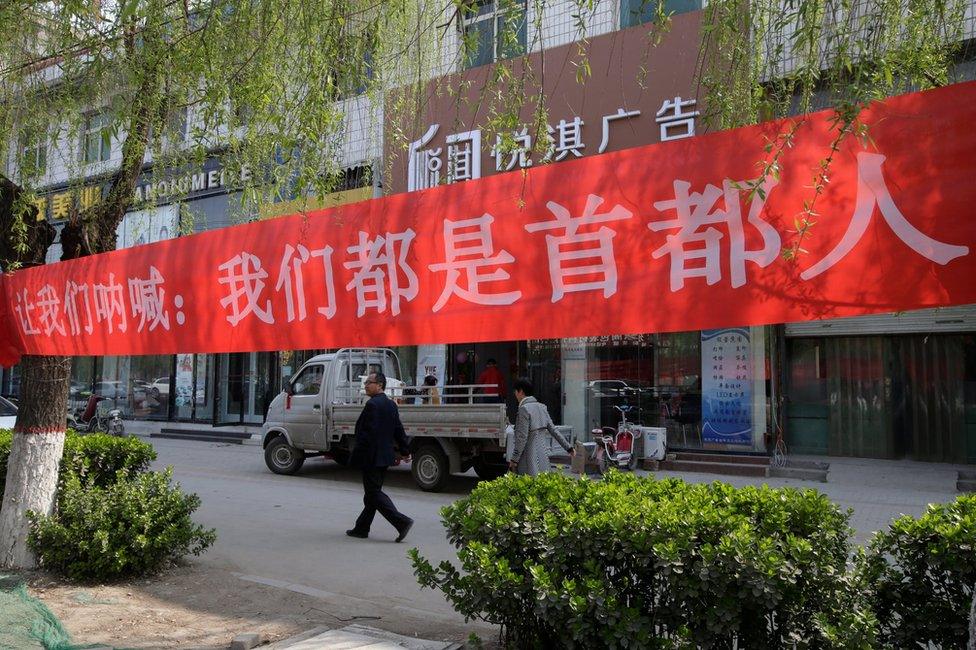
<point x="315" y="415"/>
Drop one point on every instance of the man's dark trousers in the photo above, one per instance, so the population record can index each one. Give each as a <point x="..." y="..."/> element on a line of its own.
<point x="374" y="499"/>
<point x="379" y="434"/>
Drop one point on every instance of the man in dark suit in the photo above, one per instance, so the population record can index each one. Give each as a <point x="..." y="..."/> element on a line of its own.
<point x="379" y="434"/>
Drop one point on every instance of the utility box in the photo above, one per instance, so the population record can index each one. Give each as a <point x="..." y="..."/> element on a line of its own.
<point x="654" y="443"/>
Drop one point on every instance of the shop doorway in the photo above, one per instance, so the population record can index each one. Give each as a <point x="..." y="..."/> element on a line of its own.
<point x="467" y="361"/>
<point x="884" y="397"/>
<point x="245" y="387"/>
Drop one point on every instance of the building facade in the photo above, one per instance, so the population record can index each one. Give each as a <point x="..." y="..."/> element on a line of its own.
<point x="889" y="386"/>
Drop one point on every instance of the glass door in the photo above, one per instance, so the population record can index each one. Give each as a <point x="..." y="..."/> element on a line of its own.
<point x="194" y="387"/>
<point x="230" y="388"/>
<point x="259" y="384"/>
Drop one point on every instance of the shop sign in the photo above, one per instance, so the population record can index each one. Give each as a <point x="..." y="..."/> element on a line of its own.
<point x="429" y="166"/>
<point x="660" y="238"/>
<point x="726" y="390"/>
<point x="638" y="95"/>
<point x="210" y="178"/>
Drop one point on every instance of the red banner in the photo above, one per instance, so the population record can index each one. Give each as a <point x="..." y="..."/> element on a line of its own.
<point x="651" y="239"/>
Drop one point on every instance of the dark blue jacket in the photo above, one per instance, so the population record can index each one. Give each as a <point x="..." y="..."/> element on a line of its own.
<point x="379" y="434"/>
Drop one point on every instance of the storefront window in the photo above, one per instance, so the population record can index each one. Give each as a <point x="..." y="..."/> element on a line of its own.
<point x="678" y="387"/>
<point x="544" y="370"/>
<point x="194" y="387"/>
<point x="708" y="389"/>
<point x="142" y="385"/>
<point x="620" y="374"/>
<point x="82" y="380"/>
<point x="10" y="382"/>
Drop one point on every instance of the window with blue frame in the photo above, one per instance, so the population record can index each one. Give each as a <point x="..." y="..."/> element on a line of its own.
<point x="637" y="12"/>
<point x="493" y="30"/>
<point x="96" y="138"/>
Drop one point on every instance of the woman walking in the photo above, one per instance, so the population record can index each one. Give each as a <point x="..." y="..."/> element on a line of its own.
<point x="530" y="453"/>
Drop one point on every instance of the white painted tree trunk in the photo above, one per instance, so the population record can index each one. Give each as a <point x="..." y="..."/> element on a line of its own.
<point x="32" y="481"/>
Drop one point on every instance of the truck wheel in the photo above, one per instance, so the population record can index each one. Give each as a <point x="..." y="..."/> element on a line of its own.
<point x="282" y="458"/>
<point x="487" y="470"/>
<point x="430" y="468"/>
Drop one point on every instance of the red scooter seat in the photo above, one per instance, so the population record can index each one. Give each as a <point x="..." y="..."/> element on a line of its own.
<point x="624" y="442"/>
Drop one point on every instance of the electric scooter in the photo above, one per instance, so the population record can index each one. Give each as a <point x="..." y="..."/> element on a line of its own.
<point x="93" y="420"/>
<point x="615" y="447"/>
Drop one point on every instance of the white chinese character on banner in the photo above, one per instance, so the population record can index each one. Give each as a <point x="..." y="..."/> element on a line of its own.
<point x="469" y="248"/>
<point x="244" y="278"/>
<point x="109" y="302"/>
<point x="379" y="262"/>
<point x="463" y="156"/>
<point x="49" y="306"/>
<point x="147" y="300"/>
<point x="291" y="280"/>
<point x="568" y="250"/>
<point x="873" y="191"/>
<point x="675" y="122"/>
<point x="24" y="308"/>
<point x="696" y="210"/>
<point x="423" y="165"/>
<point x="72" y="290"/>
<point x="567" y="138"/>
<point x="519" y="155"/>
<point x="621" y="114"/>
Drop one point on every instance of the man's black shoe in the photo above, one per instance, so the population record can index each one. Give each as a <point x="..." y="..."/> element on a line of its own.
<point x="403" y="531"/>
<point x="352" y="532"/>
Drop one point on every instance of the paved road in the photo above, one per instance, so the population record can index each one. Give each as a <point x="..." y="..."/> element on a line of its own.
<point x="290" y="530"/>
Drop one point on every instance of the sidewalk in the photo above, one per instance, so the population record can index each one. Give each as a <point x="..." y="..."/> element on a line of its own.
<point x="247" y="434"/>
<point x="877" y="490"/>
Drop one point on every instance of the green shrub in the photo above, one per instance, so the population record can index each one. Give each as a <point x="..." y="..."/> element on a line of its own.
<point x="636" y="562"/>
<point x="97" y="456"/>
<point x="129" y="528"/>
<point x="920" y="575"/>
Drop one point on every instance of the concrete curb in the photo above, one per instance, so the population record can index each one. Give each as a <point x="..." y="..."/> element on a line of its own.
<point x="353" y="637"/>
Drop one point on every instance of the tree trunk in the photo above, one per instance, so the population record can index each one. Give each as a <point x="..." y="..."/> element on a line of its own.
<point x="35" y="454"/>
<point x="972" y="623"/>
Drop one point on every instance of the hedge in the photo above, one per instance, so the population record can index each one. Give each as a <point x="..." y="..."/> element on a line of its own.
<point x="97" y="456"/>
<point x="920" y="575"/>
<point x="113" y="517"/>
<point x="637" y="562"/>
<point x="132" y="527"/>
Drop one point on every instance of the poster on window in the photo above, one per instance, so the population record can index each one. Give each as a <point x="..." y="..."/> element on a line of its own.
<point x="184" y="379"/>
<point x="431" y="362"/>
<point x="726" y="386"/>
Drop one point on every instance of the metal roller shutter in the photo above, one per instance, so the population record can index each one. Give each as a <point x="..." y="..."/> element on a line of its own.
<point x="940" y="319"/>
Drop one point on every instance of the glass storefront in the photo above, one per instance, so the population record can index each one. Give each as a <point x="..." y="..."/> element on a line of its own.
<point x="662" y="380"/>
<point x="898" y="396"/>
